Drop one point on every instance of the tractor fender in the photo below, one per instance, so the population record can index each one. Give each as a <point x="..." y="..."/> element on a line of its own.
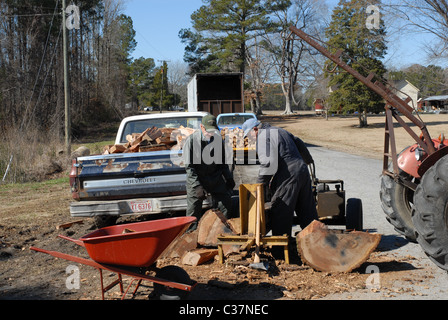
<point x="432" y="159"/>
<point x="407" y="159"/>
<point x="408" y="162"/>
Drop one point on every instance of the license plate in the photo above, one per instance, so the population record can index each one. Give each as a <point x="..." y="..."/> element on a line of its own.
<point x="141" y="206"/>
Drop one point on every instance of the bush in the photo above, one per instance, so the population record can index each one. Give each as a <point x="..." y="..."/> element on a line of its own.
<point x="36" y="155"/>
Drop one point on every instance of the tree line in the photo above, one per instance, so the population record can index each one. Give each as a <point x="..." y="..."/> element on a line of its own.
<point x="103" y="79"/>
<point x="253" y="37"/>
<point x="249" y="36"/>
<point x="31" y="63"/>
<point x="103" y="76"/>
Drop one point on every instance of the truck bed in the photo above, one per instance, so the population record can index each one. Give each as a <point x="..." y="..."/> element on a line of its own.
<point x="129" y="175"/>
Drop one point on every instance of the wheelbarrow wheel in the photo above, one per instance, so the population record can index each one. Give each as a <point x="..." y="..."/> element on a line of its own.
<point x="175" y="274"/>
<point x="353" y="214"/>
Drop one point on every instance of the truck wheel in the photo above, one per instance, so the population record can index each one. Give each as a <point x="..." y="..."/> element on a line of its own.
<point x="430" y="214"/>
<point x="397" y="203"/>
<point x="353" y="214"/>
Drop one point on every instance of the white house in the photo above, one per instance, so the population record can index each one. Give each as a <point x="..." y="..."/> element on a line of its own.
<point x="405" y="89"/>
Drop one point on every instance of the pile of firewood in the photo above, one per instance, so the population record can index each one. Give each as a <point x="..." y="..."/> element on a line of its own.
<point x="180" y="135"/>
<point x="201" y="245"/>
<point x="152" y="139"/>
<point x="236" y="135"/>
<point x="155" y="139"/>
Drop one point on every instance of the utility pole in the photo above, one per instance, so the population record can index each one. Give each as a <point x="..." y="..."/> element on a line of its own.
<point x="66" y="83"/>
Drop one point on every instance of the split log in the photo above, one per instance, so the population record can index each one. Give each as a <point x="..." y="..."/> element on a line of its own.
<point x="118" y="148"/>
<point x="69" y="224"/>
<point x="181" y="134"/>
<point x="153" y="134"/>
<point x="214" y="224"/>
<point x="184" y="243"/>
<point x="133" y="148"/>
<point x="312" y="227"/>
<point x="107" y="148"/>
<point x="335" y="251"/>
<point x="200" y="256"/>
<point x="149" y="135"/>
<point x="210" y="226"/>
<point x="131" y="137"/>
<point x="153" y="147"/>
<point x="152" y="139"/>
<point x="166" y="136"/>
<point x="236" y="136"/>
<point x="139" y="138"/>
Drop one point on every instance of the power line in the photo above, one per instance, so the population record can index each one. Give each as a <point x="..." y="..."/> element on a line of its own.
<point x="41" y="64"/>
<point x="48" y="71"/>
<point x="150" y="44"/>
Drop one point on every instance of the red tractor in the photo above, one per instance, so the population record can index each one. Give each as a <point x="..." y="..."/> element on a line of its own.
<point x="414" y="183"/>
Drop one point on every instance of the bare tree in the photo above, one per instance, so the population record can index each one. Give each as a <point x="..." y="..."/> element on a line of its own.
<point x="427" y="16"/>
<point x="288" y="53"/>
<point x="259" y="72"/>
<point x="178" y="80"/>
<point x="31" y="69"/>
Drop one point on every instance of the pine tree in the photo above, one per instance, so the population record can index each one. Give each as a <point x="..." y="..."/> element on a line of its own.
<point x="140" y="80"/>
<point x="364" y="48"/>
<point x="223" y="29"/>
<point x="161" y="96"/>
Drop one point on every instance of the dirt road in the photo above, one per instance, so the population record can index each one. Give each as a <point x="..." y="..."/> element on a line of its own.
<point x="416" y="277"/>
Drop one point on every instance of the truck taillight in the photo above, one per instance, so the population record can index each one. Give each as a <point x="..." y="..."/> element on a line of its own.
<point x="73" y="179"/>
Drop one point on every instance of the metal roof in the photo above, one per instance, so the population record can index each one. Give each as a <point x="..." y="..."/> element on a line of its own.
<point x="436" y="98"/>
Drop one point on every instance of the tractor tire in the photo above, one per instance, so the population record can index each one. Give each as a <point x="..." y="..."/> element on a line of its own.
<point x="430" y="214"/>
<point x="397" y="203"/>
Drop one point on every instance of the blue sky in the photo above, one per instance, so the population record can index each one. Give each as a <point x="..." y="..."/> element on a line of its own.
<point x="158" y="22"/>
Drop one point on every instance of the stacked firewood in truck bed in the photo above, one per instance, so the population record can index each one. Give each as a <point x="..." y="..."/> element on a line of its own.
<point x="155" y="139"/>
<point x="152" y="139"/>
<point x="236" y="135"/>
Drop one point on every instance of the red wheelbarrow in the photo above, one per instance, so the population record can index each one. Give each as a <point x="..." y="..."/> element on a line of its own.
<point x="132" y="249"/>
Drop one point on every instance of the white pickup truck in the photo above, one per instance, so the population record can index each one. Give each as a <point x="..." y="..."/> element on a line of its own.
<point x="111" y="185"/>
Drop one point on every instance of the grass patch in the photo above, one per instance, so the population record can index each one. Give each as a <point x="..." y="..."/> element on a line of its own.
<point x="39" y="155"/>
<point x="35" y="186"/>
<point x="94" y="147"/>
<point x="29" y="202"/>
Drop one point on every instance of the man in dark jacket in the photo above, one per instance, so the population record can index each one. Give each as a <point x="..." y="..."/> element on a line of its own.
<point x="207" y="170"/>
<point x="285" y="174"/>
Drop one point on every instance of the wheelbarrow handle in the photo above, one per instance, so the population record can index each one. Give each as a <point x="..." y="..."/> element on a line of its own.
<point x="78" y="242"/>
